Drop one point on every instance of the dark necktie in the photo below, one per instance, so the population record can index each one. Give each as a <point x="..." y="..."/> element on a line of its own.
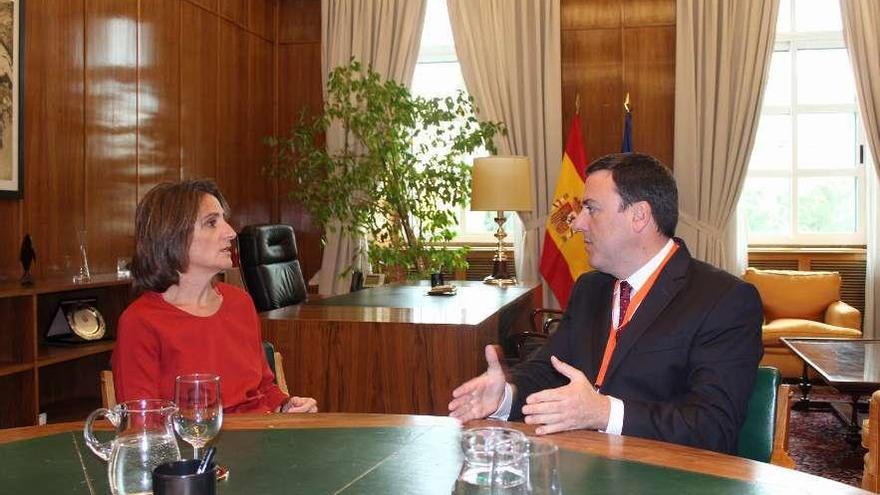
<point x="625" y="290"/>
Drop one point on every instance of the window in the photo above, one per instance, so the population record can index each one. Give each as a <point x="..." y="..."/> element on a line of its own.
<point x="806" y="179"/>
<point x="438" y="74"/>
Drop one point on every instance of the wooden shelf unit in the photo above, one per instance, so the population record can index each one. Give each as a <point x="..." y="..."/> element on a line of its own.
<point x="52" y="354"/>
<point x="61" y="381"/>
<point x="13" y="368"/>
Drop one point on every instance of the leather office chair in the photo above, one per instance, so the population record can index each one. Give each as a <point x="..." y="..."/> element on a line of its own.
<point x="543" y="323"/>
<point x="270" y="265"/>
<point x="800" y="304"/>
<point x="764" y="435"/>
<point x="276" y="363"/>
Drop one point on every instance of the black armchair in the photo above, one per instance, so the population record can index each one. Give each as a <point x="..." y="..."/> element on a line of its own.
<point x="270" y="266"/>
<point x="544" y="322"/>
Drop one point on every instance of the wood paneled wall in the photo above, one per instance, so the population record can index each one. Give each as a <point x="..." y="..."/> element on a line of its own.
<point x="299" y="90"/>
<point x="609" y="48"/>
<point x="122" y="95"/>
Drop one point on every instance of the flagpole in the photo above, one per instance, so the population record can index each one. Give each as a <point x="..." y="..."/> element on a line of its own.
<point x="626" y="102"/>
<point x="577" y="104"/>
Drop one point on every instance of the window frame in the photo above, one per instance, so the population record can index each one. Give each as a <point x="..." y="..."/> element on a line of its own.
<point x="445" y="54"/>
<point x="792" y="42"/>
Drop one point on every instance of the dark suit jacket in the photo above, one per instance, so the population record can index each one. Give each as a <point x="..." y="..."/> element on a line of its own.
<point x="684" y="366"/>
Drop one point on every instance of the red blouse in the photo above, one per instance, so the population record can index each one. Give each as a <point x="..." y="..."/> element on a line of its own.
<point x="156" y="341"/>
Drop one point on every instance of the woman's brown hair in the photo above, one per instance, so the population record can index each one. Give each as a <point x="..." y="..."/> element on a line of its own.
<point x="163" y="230"/>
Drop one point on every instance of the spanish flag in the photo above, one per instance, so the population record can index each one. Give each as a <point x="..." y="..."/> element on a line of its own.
<point x="563" y="258"/>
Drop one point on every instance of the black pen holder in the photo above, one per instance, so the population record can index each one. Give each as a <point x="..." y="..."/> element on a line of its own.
<point x="436" y="279"/>
<point x="181" y="478"/>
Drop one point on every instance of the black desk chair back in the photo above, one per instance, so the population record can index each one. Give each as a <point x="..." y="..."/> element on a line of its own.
<point x="523" y="344"/>
<point x="270" y="266"/>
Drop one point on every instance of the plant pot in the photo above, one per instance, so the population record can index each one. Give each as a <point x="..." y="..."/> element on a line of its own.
<point x="436" y="279"/>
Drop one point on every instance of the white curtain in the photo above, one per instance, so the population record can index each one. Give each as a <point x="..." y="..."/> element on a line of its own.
<point x="722" y="57"/>
<point x="509" y="51"/>
<point x="861" y="30"/>
<point x="872" y="276"/>
<point x="384" y="34"/>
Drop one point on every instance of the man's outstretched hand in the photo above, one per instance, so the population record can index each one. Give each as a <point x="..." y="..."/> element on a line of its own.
<point x="479" y="397"/>
<point x="570" y="407"/>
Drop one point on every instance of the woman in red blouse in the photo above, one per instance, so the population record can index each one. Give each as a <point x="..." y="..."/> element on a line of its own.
<point x="184" y="321"/>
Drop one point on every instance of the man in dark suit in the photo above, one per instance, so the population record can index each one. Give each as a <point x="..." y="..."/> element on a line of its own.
<point x="653" y="343"/>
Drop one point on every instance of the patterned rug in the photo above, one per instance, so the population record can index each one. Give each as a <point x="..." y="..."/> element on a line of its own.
<point x="817" y="442"/>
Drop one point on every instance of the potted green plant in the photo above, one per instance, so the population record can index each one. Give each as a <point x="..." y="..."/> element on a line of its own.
<point x="398" y="176"/>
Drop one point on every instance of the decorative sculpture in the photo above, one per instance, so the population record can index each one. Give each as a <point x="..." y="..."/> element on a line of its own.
<point x="83" y="274"/>
<point x="27" y="256"/>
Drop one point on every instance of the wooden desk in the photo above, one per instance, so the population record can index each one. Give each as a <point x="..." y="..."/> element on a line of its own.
<point x="394" y="349"/>
<point x="370" y="454"/>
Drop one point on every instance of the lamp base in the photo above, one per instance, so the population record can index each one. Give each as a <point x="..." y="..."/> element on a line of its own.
<point x="500" y="275"/>
<point x="500" y="282"/>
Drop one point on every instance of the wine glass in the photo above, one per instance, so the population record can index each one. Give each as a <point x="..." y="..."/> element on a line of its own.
<point x="200" y="410"/>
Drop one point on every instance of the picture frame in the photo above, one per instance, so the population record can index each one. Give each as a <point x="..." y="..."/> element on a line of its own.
<point x="76" y="321"/>
<point x="11" y="99"/>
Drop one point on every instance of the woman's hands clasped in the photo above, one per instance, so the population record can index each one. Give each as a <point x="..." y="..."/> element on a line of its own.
<point x="299" y="405"/>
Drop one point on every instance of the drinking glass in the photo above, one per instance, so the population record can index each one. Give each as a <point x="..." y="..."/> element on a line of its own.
<point x="493" y="462"/>
<point x="200" y="410"/>
<point x="541" y="462"/>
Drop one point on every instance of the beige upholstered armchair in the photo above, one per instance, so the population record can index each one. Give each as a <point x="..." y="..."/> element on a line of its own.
<point x="801" y="304"/>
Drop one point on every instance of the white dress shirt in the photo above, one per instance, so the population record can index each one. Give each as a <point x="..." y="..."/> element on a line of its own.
<point x="637" y="280"/>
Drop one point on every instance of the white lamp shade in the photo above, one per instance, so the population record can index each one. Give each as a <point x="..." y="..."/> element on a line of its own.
<point x="501" y="183"/>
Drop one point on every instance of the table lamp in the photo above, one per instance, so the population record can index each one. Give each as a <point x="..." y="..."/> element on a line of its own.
<point x="501" y="183"/>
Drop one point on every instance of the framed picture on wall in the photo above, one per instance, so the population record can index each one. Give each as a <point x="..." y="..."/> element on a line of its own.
<point x="11" y="98"/>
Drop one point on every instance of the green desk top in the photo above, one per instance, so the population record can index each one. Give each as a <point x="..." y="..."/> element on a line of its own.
<point x="402" y="460"/>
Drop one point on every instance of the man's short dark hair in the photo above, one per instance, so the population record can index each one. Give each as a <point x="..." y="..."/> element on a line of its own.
<point x="641" y="177"/>
<point x="163" y="230"/>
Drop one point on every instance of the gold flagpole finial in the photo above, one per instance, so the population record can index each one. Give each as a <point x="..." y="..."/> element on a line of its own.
<point x="577" y="104"/>
<point x="626" y="103"/>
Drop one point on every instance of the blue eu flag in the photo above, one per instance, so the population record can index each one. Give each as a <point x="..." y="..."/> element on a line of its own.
<point x="627" y="145"/>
